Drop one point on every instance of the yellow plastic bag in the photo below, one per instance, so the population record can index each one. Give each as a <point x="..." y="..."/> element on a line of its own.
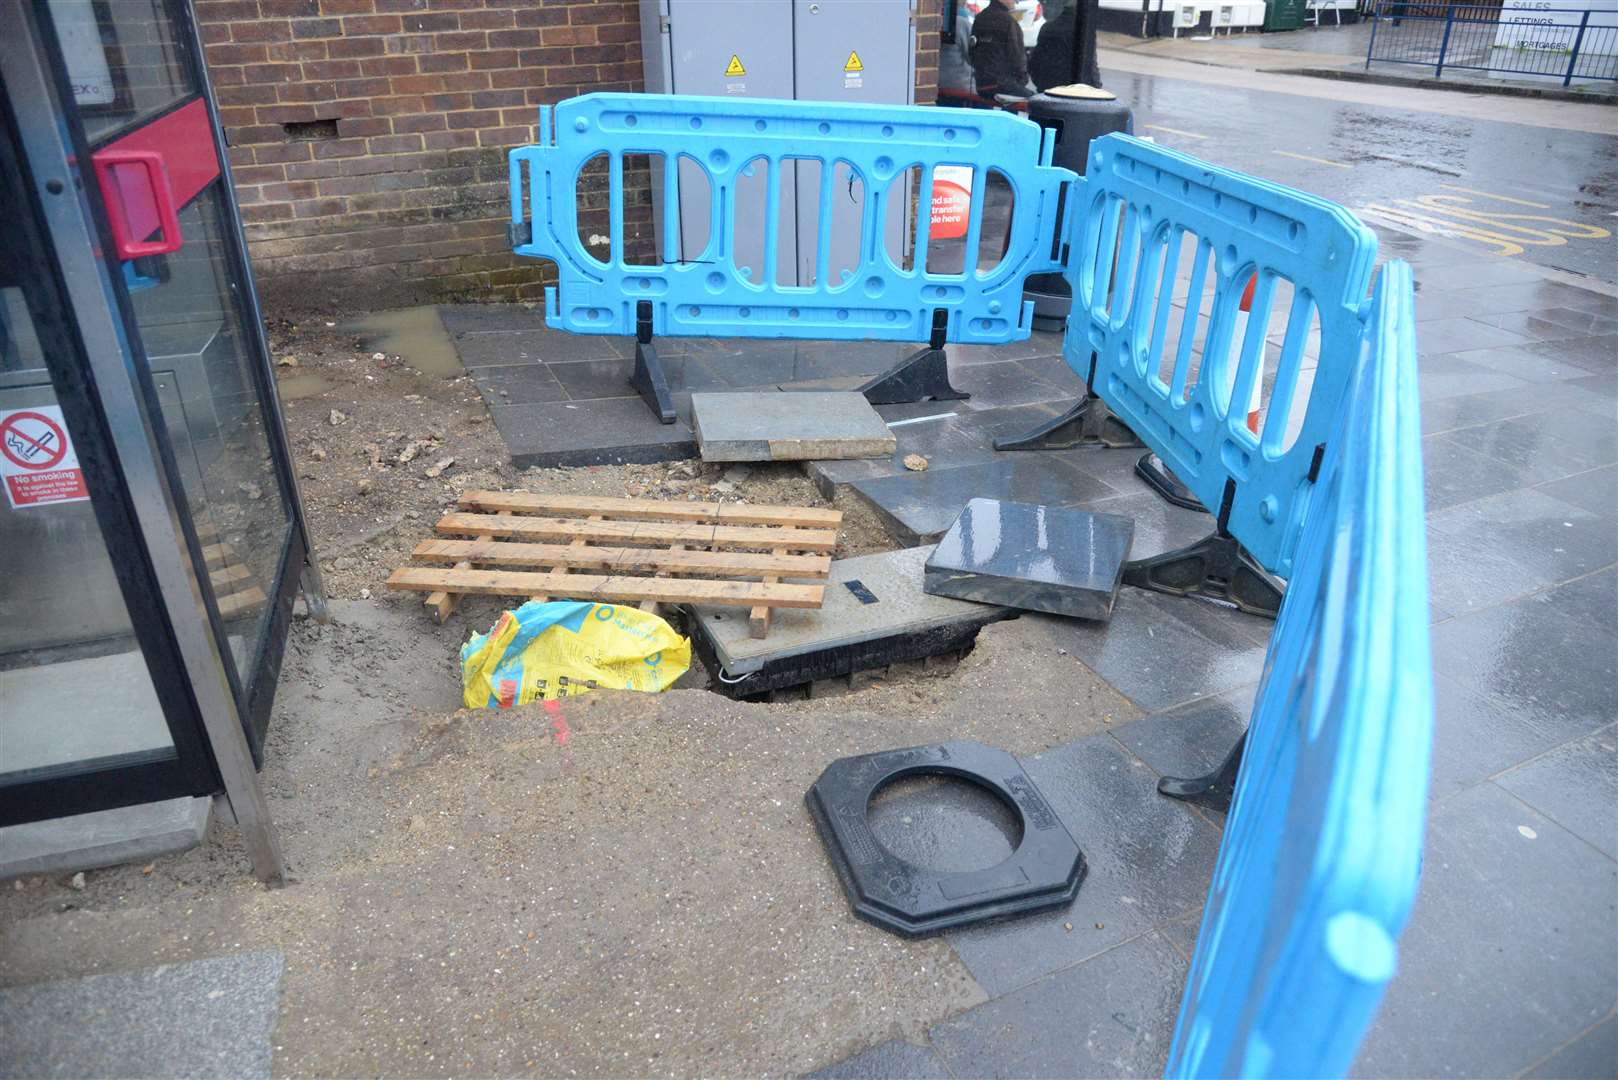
<point x="541" y="652"/>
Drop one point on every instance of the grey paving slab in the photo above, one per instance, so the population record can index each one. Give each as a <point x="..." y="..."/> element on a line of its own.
<point x="604" y="432"/>
<point x="1576" y="786"/>
<point x="1468" y="570"/>
<point x="919" y="507"/>
<point x="1522" y="363"/>
<point x="1597" y="354"/>
<point x="104" y="837"/>
<point x="1445" y="374"/>
<point x="1464" y="271"/>
<point x="1466" y="410"/>
<point x="1161" y="651"/>
<point x="1454" y="335"/>
<point x="1476" y="737"/>
<point x="1110" y="1016"/>
<point x="1455" y="474"/>
<point x="1586" y="322"/>
<point x="1556" y="672"/>
<point x="1540" y="295"/>
<point x="1595" y="491"/>
<point x="1007" y="382"/>
<point x="1150" y="859"/>
<point x="536" y="346"/>
<point x="1182" y="934"/>
<point x="210" y="1017"/>
<point x="891" y="1060"/>
<point x="1555" y="539"/>
<point x="1536" y="327"/>
<point x="774" y="426"/>
<point x="1546" y="445"/>
<point x="1508" y="954"/>
<point x="490" y="318"/>
<point x="1602" y="390"/>
<point x="1055" y="559"/>
<point x="1589" y="1057"/>
<point x="1190" y="739"/>
<point x="1447" y="304"/>
<point x="518" y="384"/>
<point x="889" y="603"/>
<point x="947" y="434"/>
<point x="1159" y="525"/>
<point x="1039" y="343"/>
<point x="1592" y="600"/>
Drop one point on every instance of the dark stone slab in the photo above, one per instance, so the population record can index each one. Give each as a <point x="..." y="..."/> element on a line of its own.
<point x="1037" y="558"/>
<point x="1182" y="934"/>
<point x="1455" y="335"/>
<point x="1597" y="354"/>
<point x="1508" y="954"/>
<point x="1466" y="410"/>
<point x="1159" y="525"/>
<point x="1576" y="786"/>
<point x="1546" y="446"/>
<point x="1589" y="1057"/>
<point x="773" y="426"/>
<point x="1007" y="382"/>
<point x="1536" y="327"/>
<point x="1592" y="600"/>
<point x="1522" y="363"/>
<point x="1556" y="672"/>
<point x="1541" y="295"/>
<point x="537" y="346"/>
<point x="608" y="431"/>
<point x="210" y="1017"/>
<point x="490" y="318"/>
<point x="518" y="384"/>
<point x="1468" y="570"/>
<point x="1150" y="861"/>
<point x="891" y="1060"/>
<point x="1112" y="1015"/>
<point x="919" y="507"/>
<point x="1192" y="739"/>
<point x="1445" y="375"/>
<point x="1455" y="474"/>
<point x="1161" y="651"/>
<point x="1535" y="530"/>
<point x="1595" y="491"/>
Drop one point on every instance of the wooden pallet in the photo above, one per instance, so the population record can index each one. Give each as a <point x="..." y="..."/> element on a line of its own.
<point x="645" y="551"/>
<point x="234" y="589"/>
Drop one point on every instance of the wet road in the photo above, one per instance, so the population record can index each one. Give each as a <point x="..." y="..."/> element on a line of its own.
<point x="1510" y="190"/>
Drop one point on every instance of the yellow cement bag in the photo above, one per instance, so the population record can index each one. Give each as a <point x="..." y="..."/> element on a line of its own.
<point x="541" y="652"/>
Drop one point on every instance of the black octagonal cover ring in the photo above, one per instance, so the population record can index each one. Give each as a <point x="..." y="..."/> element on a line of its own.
<point x="1044" y="872"/>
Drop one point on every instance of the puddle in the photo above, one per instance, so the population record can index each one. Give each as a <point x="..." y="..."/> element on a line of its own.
<point x="415" y="335"/>
<point x="293" y="387"/>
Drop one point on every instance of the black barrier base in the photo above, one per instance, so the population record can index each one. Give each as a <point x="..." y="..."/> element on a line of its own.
<point x="649" y="379"/>
<point x="1088" y="423"/>
<point x="1216" y="566"/>
<point x="1213" y="791"/>
<point x="1044" y="872"/>
<point x="921" y="376"/>
<point x="1151" y="469"/>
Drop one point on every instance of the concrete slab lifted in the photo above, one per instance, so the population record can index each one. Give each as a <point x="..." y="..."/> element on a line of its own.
<point x="875" y="614"/>
<point x="788" y="427"/>
<point x="104" y="838"/>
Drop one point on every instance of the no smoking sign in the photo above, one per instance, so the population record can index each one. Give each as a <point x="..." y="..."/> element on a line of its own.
<point x="37" y="459"/>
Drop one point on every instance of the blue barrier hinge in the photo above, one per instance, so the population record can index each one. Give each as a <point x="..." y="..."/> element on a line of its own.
<point x="519" y="233"/>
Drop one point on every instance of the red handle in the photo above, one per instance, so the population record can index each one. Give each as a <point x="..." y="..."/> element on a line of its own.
<point x="150" y="208"/>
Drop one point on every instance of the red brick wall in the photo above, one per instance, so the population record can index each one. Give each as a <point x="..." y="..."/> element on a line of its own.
<point x="390" y="188"/>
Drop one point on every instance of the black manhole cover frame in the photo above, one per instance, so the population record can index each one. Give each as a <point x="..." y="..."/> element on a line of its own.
<point x="1045" y="871"/>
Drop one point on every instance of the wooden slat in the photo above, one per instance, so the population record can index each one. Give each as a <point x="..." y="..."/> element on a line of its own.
<point x="576" y="544"/>
<point x="512" y="553"/>
<point x="216" y="555"/>
<point x="651" y="605"/>
<point x="691" y="535"/>
<point x="758" y="619"/>
<point x="227" y="575"/>
<point x="240" y="603"/>
<point x="617" y="590"/>
<point x="443" y="604"/>
<point x="525" y="502"/>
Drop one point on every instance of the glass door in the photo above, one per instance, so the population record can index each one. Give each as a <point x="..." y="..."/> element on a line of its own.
<point x="138" y="93"/>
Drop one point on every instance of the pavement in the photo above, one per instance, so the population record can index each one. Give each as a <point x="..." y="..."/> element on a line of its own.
<point x="630" y="886"/>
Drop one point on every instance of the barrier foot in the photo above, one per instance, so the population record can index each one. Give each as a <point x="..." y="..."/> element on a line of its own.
<point x="1213" y="791"/>
<point x="649" y="378"/>
<point x="1217" y="567"/>
<point x="1151" y="469"/>
<point x="921" y="376"/>
<point x="1088" y="423"/>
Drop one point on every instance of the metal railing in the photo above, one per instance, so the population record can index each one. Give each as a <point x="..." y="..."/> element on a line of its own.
<point x="1519" y="37"/>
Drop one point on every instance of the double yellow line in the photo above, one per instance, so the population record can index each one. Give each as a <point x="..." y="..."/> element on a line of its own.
<point x="1507" y="233"/>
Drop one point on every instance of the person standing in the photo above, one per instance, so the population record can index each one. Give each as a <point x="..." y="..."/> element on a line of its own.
<point x="999" y="59"/>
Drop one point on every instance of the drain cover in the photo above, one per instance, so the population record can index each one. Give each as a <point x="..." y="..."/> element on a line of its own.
<point x="1044" y="872"/>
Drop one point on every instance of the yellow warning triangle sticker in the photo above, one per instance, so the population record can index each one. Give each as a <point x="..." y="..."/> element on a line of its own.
<point x="853" y="63"/>
<point x="735" y="68"/>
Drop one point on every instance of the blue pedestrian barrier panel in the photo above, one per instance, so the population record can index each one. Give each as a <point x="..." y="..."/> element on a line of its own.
<point x="726" y="172"/>
<point x="1163" y="248"/>
<point x="1318" y="868"/>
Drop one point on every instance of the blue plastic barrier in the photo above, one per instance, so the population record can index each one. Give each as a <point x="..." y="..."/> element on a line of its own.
<point x="1322" y="849"/>
<point x="1137" y="208"/>
<point x="708" y="294"/>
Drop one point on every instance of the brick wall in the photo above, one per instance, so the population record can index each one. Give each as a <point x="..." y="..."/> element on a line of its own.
<point x="368" y="137"/>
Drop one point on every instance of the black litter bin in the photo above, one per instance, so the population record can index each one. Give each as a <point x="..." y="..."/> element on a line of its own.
<point x="1077" y="114"/>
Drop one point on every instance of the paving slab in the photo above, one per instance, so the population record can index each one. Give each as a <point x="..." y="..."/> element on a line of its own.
<point x="1053" y="559"/>
<point x="946" y="433"/>
<point x="1576" y="786"/>
<point x="1191" y="739"/>
<point x="608" y="431"/>
<point x="919" y="507"/>
<point x="891" y="1060"/>
<point x="1589" y="1057"/>
<point x="1159" y="525"/>
<point x="1455" y="474"/>
<point x="875" y="613"/>
<point x="104" y="837"/>
<point x="211" y="1017"/>
<point x="1008" y="382"/>
<point x="788" y="427"/>
<point x="1112" y="1015"/>
<point x="494" y="348"/>
<point x="1595" y="491"/>
<point x="1547" y="445"/>
<point x="1592" y="600"/>
<point x="1497" y="968"/>
<point x="518" y="384"/>
<point x="1557" y="539"/>
<point x="1150" y="861"/>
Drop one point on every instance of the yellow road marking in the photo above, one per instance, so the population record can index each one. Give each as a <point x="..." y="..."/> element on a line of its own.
<point x="1175" y="131"/>
<point x="1316" y="160"/>
<point x="1492" y="195"/>
<point x="1423" y="224"/>
<point x="1557" y="232"/>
